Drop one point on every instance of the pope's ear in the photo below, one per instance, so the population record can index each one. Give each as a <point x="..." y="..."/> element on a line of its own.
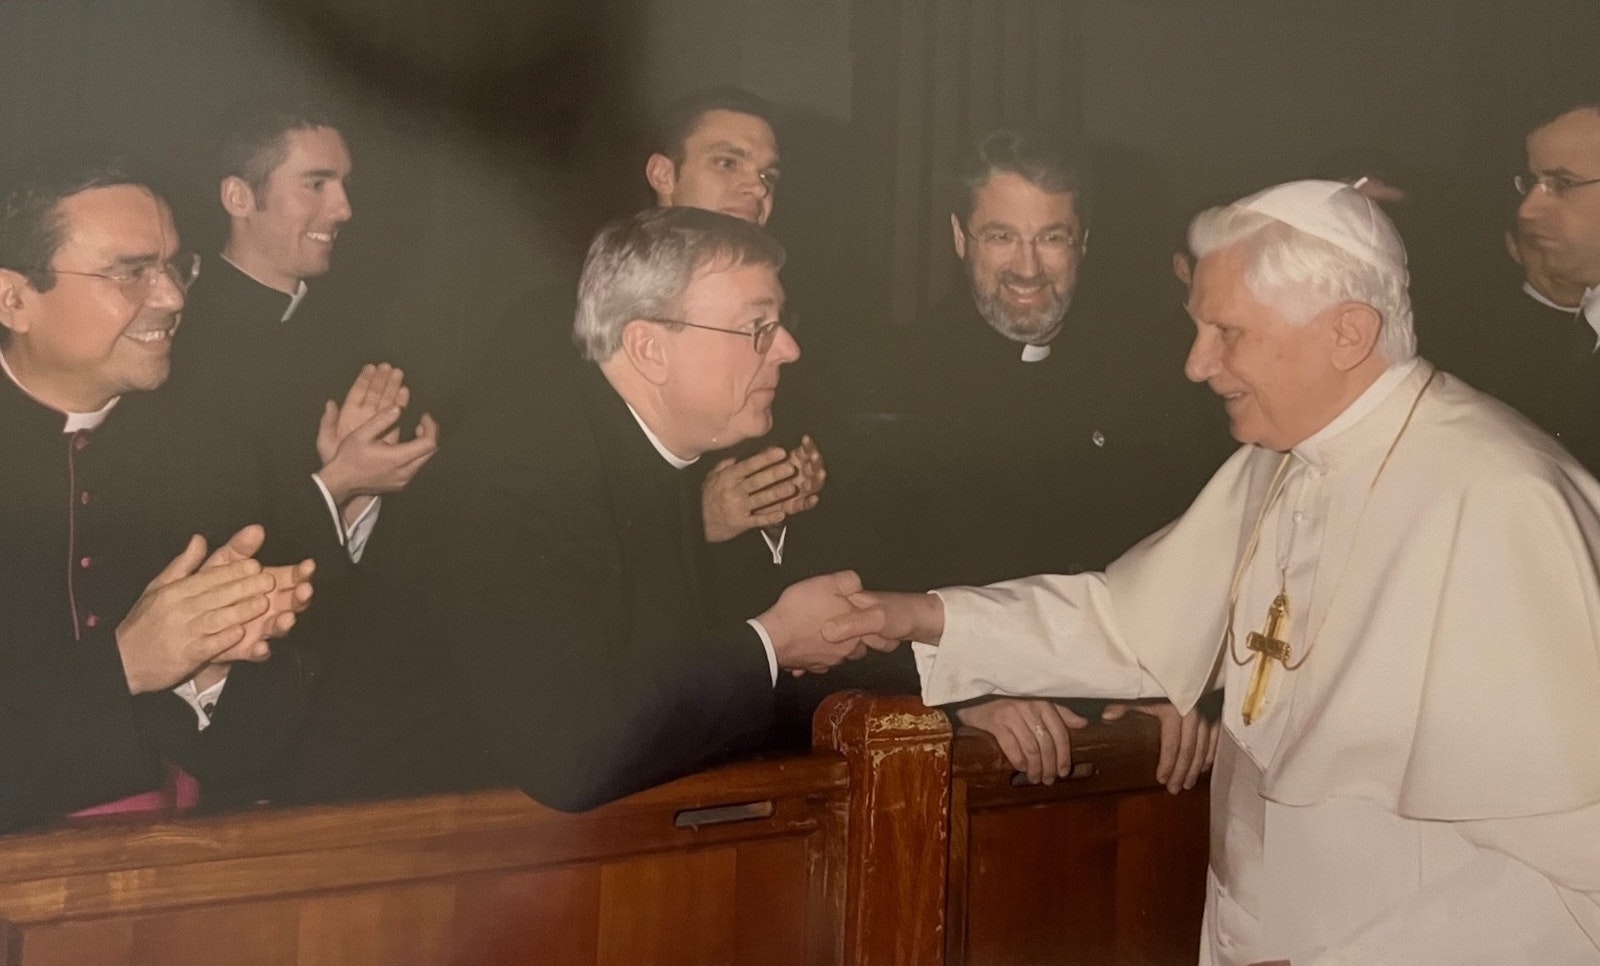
<point x="238" y="198"/>
<point x="662" y="175"/>
<point x="645" y="348"/>
<point x="1356" y="327"/>
<point x="15" y="292"/>
<point x="958" y="236"/>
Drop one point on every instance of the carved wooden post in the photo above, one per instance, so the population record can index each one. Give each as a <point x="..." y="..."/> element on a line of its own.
<point x="897" y="827"/>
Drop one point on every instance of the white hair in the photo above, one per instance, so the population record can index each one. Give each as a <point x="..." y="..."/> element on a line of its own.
<point x="639" y="267"/>
<point x="1302" y="275"/>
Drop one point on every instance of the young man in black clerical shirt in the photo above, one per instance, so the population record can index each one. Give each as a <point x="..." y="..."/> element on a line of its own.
<point x="257" y="349"/>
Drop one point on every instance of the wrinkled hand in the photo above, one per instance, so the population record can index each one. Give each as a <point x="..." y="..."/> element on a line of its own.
<point x="376" y="388"/>
<point x="1188" y="742"/>
<point x="188" y="616"/>
<point x="882" y="620"/>
<point x="1032" y="733"/>
<point x="796" y="621"/>
<point x="744" y="494"/>
<point x="810" y="473"/>
<point x="371" y="460"/>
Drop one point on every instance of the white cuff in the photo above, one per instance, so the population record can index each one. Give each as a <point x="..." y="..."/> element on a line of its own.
<point x="354" y="537"/>
<point x="359" y="531"/>
<point x="766" y="642"/>
<point x="203" y="702"/>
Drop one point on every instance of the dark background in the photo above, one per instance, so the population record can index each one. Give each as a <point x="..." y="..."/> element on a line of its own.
<point x="491" y="138"/>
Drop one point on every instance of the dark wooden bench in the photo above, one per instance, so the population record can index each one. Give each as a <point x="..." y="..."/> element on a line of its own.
<point x="891" y="842"/>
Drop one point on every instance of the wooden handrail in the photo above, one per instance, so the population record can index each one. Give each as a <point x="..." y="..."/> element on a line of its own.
<point x="860" y="848"/>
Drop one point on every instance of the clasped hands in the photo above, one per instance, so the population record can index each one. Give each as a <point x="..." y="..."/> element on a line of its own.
<point x="202" y="613"/>
<point x="359" y="441"/>
<point x="761" y="490"/>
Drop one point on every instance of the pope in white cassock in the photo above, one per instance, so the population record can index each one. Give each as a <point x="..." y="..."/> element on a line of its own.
<point x="1395" y="579"/>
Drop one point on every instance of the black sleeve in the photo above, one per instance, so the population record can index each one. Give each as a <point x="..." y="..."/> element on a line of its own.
<point x="578" y="700"/>
<point x="69" y="737"/>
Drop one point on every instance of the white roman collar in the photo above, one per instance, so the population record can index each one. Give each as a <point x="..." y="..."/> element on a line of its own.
<point x="75" y="421"/>
<point x="1035" y="353"/>
<point x="677" y="462"/>
<point x="1365" y="403"/>
<point x="294" y="300"/>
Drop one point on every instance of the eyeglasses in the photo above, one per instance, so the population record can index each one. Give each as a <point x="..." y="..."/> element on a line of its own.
<point x="182" y="269"/>
<point x="761" y="336"/>
<point x="1556" y="185"/>
<point x="1056" y="242"/>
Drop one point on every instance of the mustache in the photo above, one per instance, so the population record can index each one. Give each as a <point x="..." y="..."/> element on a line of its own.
<point x="1012" y="278"/>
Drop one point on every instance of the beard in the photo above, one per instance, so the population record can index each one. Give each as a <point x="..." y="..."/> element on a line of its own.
<point x="1036" y="326"/>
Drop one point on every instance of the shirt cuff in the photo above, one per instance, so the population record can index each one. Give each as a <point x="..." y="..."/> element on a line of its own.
<point x="354" y="537"/>
<point x="766" y="642"/>
<point x="202" y="702"/>
<point x="357" y="534"/>
<point x="775" y="544"/>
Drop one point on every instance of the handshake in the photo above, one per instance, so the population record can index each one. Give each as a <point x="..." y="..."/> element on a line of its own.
<point x="826" y="620"/>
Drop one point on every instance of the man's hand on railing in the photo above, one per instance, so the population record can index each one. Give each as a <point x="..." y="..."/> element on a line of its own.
<point x="1032" y="732"/>
<point x="1188" y="741"/>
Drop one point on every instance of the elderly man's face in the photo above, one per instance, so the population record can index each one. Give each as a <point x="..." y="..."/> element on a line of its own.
<point x="90" y="338"/>
<point x="730" y="164"/>
<point x="1276" y="378"/>
<point x="720" y="389"/>
<point x="1021" y="246"/>
<point x="289" y="230"/>
<point x="1565" y="230"/>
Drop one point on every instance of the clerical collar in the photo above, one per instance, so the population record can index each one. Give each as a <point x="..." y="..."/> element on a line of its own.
<point x="1590" y="307"/>
<point x="75" y="422"/>
<point x="1310" y="448"/>
<point x="294" y="300"/>
<point x="677" y="462"/>
<point x="1548" y="302"/>
<point x="1035" y="353"/>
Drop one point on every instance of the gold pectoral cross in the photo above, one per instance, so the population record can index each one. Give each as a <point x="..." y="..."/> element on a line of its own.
<point x="1270" y="645"/>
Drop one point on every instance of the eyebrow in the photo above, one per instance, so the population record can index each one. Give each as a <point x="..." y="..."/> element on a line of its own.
<point x="1054" y="226"/>
<point x="319" y="173"/>
<point x="728" y="147"/>
<point x="136" y="261"/>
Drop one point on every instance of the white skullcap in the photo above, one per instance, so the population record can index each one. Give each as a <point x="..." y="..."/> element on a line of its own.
<point x="1336" y="213"/>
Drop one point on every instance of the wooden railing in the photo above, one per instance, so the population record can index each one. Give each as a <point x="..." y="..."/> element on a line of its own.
<point x="891" y="842"/>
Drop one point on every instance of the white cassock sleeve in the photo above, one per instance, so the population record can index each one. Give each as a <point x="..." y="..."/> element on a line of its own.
<point x="1532" y="895"/>
<point x="1038" y="636"/>
<point x="1149" y="626"/>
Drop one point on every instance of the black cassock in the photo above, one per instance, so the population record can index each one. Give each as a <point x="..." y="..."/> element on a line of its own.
<point x="534" y="614"/>
<point x="88" y="518"/>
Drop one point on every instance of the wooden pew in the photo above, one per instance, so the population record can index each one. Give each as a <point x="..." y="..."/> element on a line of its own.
<point x="891" y="842"/>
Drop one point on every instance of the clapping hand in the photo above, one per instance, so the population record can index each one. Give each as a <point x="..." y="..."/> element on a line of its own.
<point x="359" y="441"/>
<point x="198" y="609"/>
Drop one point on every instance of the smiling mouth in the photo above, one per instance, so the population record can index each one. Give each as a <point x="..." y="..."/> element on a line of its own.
<point x="325" y="237"/>
<point x="152" y="336"/>
<point x="155" y="336"/>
